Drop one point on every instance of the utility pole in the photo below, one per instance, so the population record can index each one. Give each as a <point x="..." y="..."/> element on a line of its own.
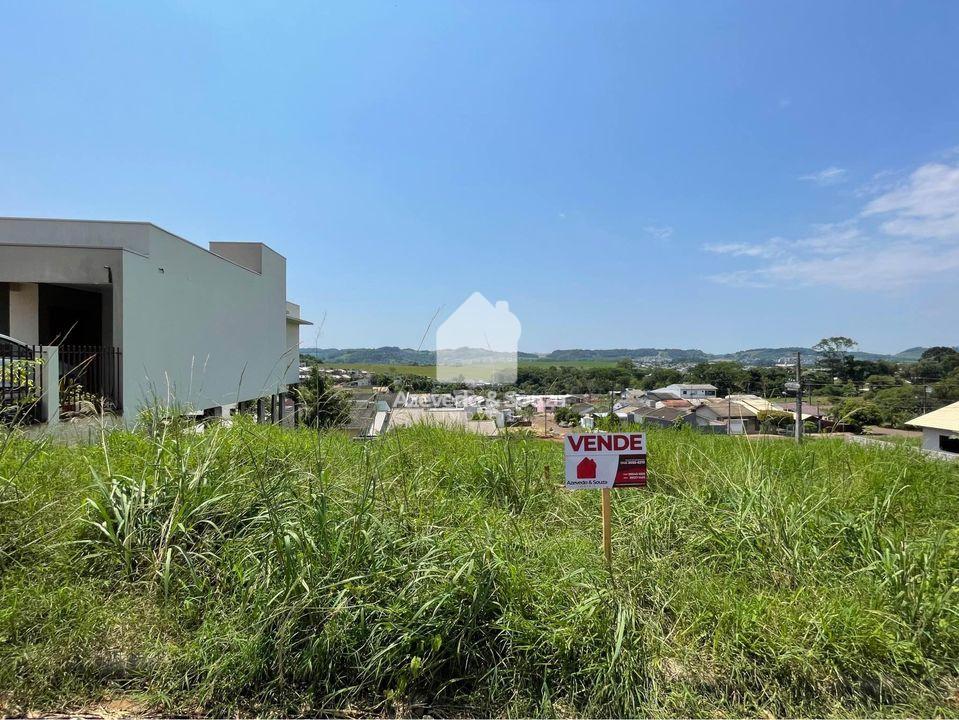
<point x="798" y="397"/>
<point x="729" y="412"/>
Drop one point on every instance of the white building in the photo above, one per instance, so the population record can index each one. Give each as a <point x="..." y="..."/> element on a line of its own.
<point x="940" y="429"/>
<point x="156" y="317"/>
<point x="688" y="391"/>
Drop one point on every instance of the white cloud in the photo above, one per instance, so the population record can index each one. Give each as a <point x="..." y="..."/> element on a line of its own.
<point x="925" y="206"/>
<point x="660" y="232"/>
<point x="826" y="238"/>
<point x="895" y="267"/>
<point x="905" y="236"/>
<point x="829" y="176"/>
<point x="768" y="249"/>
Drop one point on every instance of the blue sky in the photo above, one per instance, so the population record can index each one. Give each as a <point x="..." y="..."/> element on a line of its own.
<point x="712" y="175"/>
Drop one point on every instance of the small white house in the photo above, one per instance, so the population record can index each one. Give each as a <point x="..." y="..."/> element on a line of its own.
<point x="687" y="391"/>
<point x="940" y="429"/>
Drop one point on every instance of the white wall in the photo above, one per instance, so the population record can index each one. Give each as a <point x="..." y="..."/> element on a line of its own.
<point x="931" y="436"/>
<point x="204" y="330"/>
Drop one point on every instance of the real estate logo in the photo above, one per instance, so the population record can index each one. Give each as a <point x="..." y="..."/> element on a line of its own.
<point x="478" y="343"/>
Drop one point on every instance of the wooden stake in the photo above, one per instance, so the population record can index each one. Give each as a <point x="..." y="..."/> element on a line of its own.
<point x="607" y="528"/>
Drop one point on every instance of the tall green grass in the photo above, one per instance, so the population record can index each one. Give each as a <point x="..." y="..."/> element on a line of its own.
<point x="255" y="570"/>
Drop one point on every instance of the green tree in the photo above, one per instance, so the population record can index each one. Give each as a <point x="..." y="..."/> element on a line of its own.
<point x="323" y="406"/>
<point x="856" y="413"/>
<point x="566" y="414"/>
<point x="879" y="382"/>
<point x="947" y="389"/>
<point x="661" y="377"/>
<point x="727" y="376"/>
<point x="835" y="357"/>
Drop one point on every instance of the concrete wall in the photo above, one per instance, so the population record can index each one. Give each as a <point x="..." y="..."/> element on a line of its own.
<point x="200" y="329"/>
<point x="931" y="436"/>
<point x="133" y="236"/>
<point x="293" y="345"/>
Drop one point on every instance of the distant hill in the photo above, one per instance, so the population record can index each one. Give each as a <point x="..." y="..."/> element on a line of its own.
<point x="391" y="355"/>
<point x="915" y="352"/>
<point x="656" y="354"/>
<point x="388" y="355"/>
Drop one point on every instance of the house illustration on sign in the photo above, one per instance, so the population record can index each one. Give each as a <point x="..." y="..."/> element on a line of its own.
<point x="586" y="470"/>
<point x="478" y="343"/>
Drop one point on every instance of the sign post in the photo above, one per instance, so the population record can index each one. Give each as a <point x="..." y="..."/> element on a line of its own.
<point x="605" y="461"/>
<point x="607" y="527"/>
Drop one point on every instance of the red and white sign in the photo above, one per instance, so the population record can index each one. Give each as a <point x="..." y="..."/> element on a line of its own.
<point x="605" y="460"/>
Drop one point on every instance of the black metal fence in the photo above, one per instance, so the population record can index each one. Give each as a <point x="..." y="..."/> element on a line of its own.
<point x="21" y="383"/>
<point x="91" y="378"/>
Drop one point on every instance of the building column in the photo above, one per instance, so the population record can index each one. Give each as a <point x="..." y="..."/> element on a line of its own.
<point x="24" y="312"/>
<point x="260" y="411"/>
<point x="297" y="410"/>
<point x="273" y="409"/>
<point x="49" y="373"/>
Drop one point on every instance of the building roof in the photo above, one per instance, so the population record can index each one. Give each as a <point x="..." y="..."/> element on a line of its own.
<point x="808" y="411"/>
<point x="450" y="418"/>
<point x="677" y="403"/>
<point x="694" y="386"/>
<point x="664" y="413"/>
<point x="728" y="409"/>
<point x="753" y="402"/>
<point x="661" y="395"/>
<point x="946" y="418"/>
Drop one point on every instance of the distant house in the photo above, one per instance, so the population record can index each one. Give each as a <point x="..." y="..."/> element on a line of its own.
<point x="654" y="398"/>
<point x="629" y="413"/>
<point x="663" y="417"/>
<point x="737" y="419"/>
<point x="688" y="391"/>
<point x="454" y="418"/>
<point x="754" y="403"/>
<point x="582" y="408"/>
<point x="810" y="413"/>
<point x="940" y="429"/>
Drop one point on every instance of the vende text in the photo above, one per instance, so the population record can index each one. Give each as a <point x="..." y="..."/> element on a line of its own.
<point x="610" y="442"/>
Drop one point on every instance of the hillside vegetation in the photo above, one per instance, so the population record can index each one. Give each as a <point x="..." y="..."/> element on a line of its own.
<point x="252" y="570"/>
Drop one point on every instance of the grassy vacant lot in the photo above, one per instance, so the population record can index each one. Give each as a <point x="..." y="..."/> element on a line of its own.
<point x="256" y="571"/>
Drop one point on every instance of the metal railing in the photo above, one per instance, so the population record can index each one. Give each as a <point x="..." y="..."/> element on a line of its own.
<point x="91" y="378"/>
<point x="21" y="383"/>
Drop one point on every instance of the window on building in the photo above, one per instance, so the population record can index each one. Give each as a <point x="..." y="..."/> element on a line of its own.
<point x="949" y="443"/>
